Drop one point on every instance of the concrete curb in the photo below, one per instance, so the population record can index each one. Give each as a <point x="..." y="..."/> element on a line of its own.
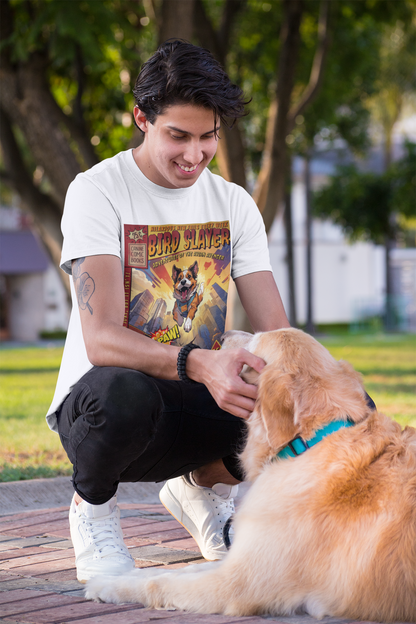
<point x="18" y="496"/>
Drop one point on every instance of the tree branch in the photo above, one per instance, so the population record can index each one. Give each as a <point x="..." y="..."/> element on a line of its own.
<point x="269" y="190"/>
<point x="217" y="42"/>
<point x="318" y="65"/>
<point x="29" y="104"/>
<point x="206" y="33"/>
<point x="230" y="153"/>
<point x="230" y="11"/>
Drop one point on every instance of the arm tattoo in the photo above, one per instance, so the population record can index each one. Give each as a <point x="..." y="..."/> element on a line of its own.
<point x="76" y="270"/>
<point x="84" y="285"/>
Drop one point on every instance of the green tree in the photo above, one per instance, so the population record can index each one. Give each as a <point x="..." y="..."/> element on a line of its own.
<point x="355" y="74"/>
<point x="370" y="206"/>
<point x="66" y="73"/>
<point x="67" y="68"/>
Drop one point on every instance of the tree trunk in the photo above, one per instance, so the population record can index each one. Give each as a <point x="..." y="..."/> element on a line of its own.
<point x="231" y="156"/>
<point x="318" y="66"/>
<point x="45" y="213"/>
<point x="289" y="246"/>
<point x="388" y="123"/>
<point x="310" y="326"/>
<point x="230" y="152"/>
<point x="389" y="322"/>
<point x="176" y="20"/>
<point x="269" y="191"/>
<point x="270" y="182"/>
<point x="26" y="99"/>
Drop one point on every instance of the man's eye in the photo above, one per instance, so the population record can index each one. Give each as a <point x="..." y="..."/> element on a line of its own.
<point x="176" y="136"/>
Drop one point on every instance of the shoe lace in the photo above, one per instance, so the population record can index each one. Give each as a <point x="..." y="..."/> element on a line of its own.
<point x="104" y="533"/>
<point x="224" y="508"/>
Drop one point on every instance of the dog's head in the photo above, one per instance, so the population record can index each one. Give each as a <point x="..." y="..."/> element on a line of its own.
<point x="184" y="281"/>
<point x="301" y="388"/>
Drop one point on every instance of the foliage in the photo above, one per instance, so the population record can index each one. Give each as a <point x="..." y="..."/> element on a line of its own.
<point x="356" y="72"/>
<point x="95" y="50"/>
<point x="365" y="204"/>
<point x="396" y="77"/>
<point x="351" y="77"/>
<point x="252" y="63"/>
<point x="402" y="175"/>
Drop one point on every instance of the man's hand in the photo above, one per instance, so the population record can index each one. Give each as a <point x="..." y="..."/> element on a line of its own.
<point x="219" y="371"/>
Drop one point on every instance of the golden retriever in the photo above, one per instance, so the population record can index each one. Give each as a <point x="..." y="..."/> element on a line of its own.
<point x="330" y="532"/>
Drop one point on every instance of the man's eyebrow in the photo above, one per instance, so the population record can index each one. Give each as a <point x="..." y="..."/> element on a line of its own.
<point x="190" y="133"/>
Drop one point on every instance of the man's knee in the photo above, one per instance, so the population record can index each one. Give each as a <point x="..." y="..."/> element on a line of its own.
<point x="128" y="401"/>
<point x="117" y="401"/>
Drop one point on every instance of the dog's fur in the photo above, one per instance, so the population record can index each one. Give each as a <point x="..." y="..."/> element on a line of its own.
<point x="187" y="293"/>
<point x="331" y="532"/>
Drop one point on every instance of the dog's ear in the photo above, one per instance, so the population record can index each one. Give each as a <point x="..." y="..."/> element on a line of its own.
<point x="276" y="406"/>
<point x="175" y="273"/>
<point x="334" y="395"/>
<point x="194" y="269"/>
<point x="233" y="339"/>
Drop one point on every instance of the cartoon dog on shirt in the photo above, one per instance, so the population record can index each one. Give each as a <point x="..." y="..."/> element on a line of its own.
<point x="188" y="295"/>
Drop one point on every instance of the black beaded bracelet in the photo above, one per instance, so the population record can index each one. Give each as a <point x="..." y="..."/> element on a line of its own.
<point x="181" y="363"/>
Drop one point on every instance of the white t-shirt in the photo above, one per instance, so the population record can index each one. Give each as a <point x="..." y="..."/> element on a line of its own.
<point x="178" y="248"/>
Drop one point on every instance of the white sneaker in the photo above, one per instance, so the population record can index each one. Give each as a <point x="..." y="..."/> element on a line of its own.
<point x="202" y="511"/>
<point x="98" y="541"/>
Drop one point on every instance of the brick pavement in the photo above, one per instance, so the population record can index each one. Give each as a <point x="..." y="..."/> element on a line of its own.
<point x="37" y="575"/>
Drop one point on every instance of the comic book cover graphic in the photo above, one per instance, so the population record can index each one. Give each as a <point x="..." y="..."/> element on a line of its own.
<point x="176" y="281"/>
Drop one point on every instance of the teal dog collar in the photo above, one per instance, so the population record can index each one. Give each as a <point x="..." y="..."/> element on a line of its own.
<point x="298" y="445"/>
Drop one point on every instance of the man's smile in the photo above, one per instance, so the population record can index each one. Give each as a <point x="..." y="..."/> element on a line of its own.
<point x="187" y="169"/>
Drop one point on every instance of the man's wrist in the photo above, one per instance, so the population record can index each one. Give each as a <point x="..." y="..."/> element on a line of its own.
<point x="181" y="362"/>
<point x="195" y="364"/>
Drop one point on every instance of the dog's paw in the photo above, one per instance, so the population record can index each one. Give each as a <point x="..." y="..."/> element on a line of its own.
<point x="102" y="589"/>
<point x="188" y="324"/>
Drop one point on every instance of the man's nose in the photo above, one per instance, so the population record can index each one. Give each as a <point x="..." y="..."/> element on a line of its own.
<point x="193" y="153"/>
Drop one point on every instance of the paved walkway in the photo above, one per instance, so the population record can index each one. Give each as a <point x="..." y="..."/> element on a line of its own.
<point x="37" y="575"/>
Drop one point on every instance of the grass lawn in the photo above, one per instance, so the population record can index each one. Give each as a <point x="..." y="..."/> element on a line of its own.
<point x="28" y="449"/>
<point x="388" y="366"/>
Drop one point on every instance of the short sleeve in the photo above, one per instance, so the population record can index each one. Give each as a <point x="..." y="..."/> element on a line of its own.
<point x="250" y="247"/>
<point x="90" y="224"/>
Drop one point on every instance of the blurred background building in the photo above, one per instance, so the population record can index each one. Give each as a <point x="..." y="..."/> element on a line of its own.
<point x="33" y="302"/>
<point x="349" y="278"/>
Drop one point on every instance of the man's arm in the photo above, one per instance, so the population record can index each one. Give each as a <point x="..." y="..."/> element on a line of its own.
<point x="98" y="282"/>
<point x="261" y="301"/>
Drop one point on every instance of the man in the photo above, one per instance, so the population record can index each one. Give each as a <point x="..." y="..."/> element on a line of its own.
<point x="151" y="238"/>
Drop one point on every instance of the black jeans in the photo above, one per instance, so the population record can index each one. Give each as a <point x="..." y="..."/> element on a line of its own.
<point x="118" y="424"/>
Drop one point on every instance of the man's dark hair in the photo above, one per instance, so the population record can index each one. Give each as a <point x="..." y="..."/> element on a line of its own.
<point x="181" y="73"/>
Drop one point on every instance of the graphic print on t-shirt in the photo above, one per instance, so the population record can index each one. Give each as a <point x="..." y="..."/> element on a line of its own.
<point x="176" y="281"/>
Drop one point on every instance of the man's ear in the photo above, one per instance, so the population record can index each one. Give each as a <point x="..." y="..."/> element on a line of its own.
<point x="140" y="119"/>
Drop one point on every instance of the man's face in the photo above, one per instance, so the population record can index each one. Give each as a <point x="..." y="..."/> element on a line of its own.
<point x="178" y="146"/>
